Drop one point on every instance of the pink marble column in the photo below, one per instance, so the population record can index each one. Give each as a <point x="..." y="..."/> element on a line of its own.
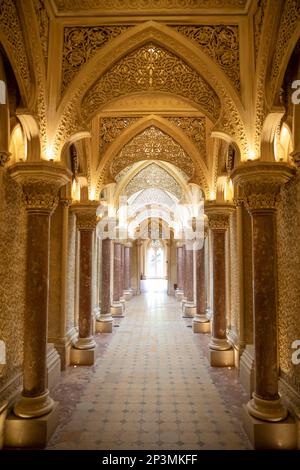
<point x="127" y="270"/>
<point x="179" y="258"/>
<point x="189" y="307"/>
<point x="117" y="272"/>
<point x="104" y="322"/>
<point x="40" y="182"/>
<point x="127" y="267"/>
<point x="122" y="272"/>
<point x="218" y="217"/>
<point x="201" y="323"/>
<point x="260" y="184"/>
<point x="86" y="223"/>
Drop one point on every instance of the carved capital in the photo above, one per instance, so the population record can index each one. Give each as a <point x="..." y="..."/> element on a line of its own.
<point x="40" y="182"/>
<point x="86" y="215"/>
<point x="218" y="215"/>
<point x="296" y="159"/>
<point x="259" y="184"/>
<point x="4" y="158"/>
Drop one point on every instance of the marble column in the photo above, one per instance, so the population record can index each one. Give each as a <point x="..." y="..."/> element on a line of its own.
<point x="221" y="351"/>
<point x="105" y="321"/>
<point x="138" y="262"/>
<point x="189" y="307"/>
<point x="41" y="182"/>
<point x="117" y="307"/>
<point x="179" y="266"/>
<point x="83" y="352"/>
<point x="127" y="270"/>
<point x="261" y="185"/>
<point x="201" y="323"/>
<point x="122" y="299"/>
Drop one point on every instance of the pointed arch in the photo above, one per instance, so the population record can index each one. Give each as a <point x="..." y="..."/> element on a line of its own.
<point x="171" y="40"/>
<point x="165" y="126"/>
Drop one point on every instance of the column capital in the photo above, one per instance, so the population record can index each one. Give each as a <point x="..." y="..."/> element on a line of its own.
<point x="40" y="182"/>
<point x="218" y="215"/>
<point x="259" y="183"/>
<point x="86" y="214"/>
<point x="296" y="159"/>
<point x="4" y="158"/>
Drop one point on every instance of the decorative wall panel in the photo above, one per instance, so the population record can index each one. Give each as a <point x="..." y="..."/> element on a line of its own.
<point x="80" y="44"/>
<point x="288" y="229"/>
<point x="220" y="43"/>
<point x="12" y="280"/>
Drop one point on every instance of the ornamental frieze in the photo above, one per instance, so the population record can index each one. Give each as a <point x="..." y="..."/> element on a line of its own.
<point x="107" y="5"/>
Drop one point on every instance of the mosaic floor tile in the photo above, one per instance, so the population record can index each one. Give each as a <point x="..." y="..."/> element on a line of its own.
<point x="151" y="388"/>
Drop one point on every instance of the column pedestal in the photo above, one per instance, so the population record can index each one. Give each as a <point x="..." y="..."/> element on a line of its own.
<point x="201" y="324"/>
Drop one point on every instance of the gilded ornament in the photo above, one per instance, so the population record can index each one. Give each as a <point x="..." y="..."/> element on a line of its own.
<point x="110" y="128"/>
<point x="195" y="129"/>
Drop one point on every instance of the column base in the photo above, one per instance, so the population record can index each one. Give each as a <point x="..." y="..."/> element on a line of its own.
<point x="219" y="344"/>
<point x="123" y="303"/>
<point x="33" y="407"/>
<point x="267" y="410"/>
<point x="128" y="294"/>
<point x="30" y="433"/>
<point x="82" y="357"/>
<point x="85" y="343"/>
<point x="117" y="310"/>
<point x="218" y="358"/>
<point x="104" y="324"/>
<point x="189" y="310"/>
<point x="265" y="435"/>
<point x="201" y="324"/>
<point x="179" y="295"/>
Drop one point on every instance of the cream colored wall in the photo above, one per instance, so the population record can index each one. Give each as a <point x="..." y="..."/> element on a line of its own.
<point x="12" y="283"/>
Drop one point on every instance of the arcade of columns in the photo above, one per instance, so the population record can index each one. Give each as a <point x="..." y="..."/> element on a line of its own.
<point x="72" y="284"/>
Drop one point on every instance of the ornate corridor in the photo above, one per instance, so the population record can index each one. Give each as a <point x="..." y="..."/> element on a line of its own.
<point x="149" y="143"/>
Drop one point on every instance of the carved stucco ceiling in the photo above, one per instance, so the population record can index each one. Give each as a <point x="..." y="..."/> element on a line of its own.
<point x="146" y="5"/>
<point x="193" y="127"/>
<point x="221" y="43"/>
<point x="152" y="144"/>
<point x="154" y="196"/>
<point x="80" y="44"/>
<point x="151" y="68"/>
<point x="110" y="128"/>
<point x="154" y="176"/>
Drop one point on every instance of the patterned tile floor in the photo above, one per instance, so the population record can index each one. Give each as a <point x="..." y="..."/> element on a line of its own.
<point x="151" y="388"/>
